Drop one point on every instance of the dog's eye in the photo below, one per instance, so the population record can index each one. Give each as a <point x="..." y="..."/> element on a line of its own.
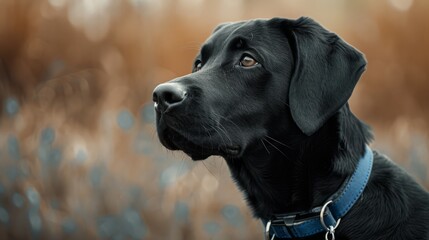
<point x="248" y="61"/>
<point x="198" y="66"/>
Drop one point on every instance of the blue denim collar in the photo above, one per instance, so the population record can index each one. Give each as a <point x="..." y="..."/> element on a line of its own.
<point x="327" y="217"/>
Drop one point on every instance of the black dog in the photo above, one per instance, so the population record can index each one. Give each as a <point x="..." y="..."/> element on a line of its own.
<point x="270" y="96"/>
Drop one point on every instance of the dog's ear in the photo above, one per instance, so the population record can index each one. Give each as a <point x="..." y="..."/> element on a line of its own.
<point x="325" y="73"/>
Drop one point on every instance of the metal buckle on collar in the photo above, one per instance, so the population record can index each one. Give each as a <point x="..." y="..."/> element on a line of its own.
<point x="330" y="230"/>
<point x="279" y="221"/>
<point x="267" y="231"/>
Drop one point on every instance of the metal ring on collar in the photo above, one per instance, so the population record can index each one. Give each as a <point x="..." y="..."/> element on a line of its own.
<point x="322" y="220"/>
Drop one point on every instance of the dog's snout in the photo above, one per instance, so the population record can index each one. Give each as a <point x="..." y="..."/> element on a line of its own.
<point x="167" y="95"/>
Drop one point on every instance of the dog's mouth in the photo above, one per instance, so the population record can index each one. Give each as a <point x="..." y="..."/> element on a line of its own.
<point x="197" y="147"/>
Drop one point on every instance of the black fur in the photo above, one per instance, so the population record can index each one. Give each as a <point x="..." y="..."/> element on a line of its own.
<point x="284" y="126"/>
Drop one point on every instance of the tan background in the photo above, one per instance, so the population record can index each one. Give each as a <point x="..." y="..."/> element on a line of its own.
<point x="79" y="157"/>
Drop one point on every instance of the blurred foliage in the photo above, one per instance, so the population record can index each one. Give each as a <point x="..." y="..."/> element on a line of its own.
<point x="79" y="156"/>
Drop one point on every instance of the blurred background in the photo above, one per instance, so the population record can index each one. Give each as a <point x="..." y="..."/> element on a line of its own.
<point x="79" y="155"/>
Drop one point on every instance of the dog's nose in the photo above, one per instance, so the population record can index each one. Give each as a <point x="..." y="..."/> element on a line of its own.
<point x="167" y="95"/>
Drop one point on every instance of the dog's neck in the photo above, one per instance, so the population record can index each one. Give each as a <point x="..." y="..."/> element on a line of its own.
<point x="283" y="176"/>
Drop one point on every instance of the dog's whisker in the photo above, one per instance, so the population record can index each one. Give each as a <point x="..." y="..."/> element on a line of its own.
<point x="209" y="135"/>
<point x="285" y="103"/>
<point x="207" y="131"/>
<point x="229" y="120"/>
<point x="275" y="147"/>
<point x="220" y="129"/>
<point x="277" y="141"/>
<point x="223" y="129"/>
<point x="219" y="133"/>
<point x="262" y="141"/>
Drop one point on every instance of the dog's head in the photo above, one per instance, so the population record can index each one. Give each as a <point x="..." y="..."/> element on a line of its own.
<point x="256" y="78"/>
